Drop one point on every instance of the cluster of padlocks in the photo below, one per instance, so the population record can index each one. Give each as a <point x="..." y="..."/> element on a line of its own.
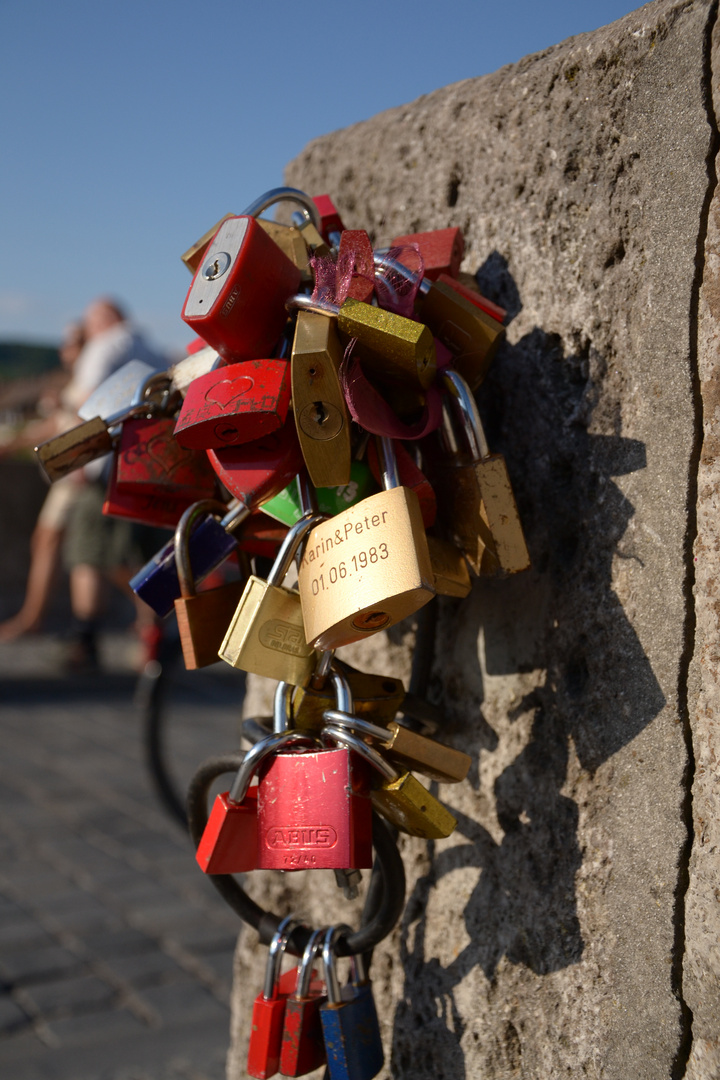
<point x="325" y="419"/>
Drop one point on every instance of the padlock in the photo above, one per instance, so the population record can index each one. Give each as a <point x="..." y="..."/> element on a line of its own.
<point x="330" y="224"/>
<point x="349" y="1019"/>
<point x="406" y="748"/>
<point x="236" y="299"/>
<point x="151" y="461"/>
<point x="474" y="490"/>
<point x="268" y="1012"/>
<point x="266" y="635"/>
<point x="441" y="249"/>
<point x="367" y="568"/>
<point x="235" y="404"/>
<point x="321" y="414"/>
<point x="161" y="511"/>
<point x="303" y="1046"/>
<point x="82" y="444"/>
<point x="255" y="471"/>
<point x="194" y="254"/>
<point x="471" y="336"/>
<point x="260" y="535"/>
<point x="409" y="476"/>
<point x="379" y="697"/>
<point x="286" y="507"/>
<point x="202" y="618"/>
<point x="290" y="241"/>
<point x="229" y="844"/>
<point x="396" y="349"/>
<point x="450" y="571"/>
<point x="132" y="384"/>
<point x="210" y="544"/>
<point x="400" y="797"/>
<point x="466" y="285"/>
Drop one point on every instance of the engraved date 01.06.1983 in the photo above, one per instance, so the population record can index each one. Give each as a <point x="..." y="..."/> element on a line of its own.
<point x="360" y="561"/>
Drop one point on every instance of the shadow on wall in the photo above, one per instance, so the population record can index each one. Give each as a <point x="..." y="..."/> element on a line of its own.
<point x="563" y="619"/>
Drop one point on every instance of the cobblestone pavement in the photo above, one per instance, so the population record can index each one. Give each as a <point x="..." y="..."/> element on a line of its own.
<point x="115" y="952"/>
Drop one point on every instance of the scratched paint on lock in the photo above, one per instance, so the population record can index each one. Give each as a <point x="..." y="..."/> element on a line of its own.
<point x="314" y="811"/>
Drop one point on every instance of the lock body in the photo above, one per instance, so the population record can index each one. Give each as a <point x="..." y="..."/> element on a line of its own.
<point x="412" y="809"/>
<point x="352" y="1034"/>
<point x="266" y="634"/>
<point x="471" y="336"/>
<point x="286" y="507"/>
<point x="398" y="349"/>
<point x="151" y="461"/>
<point x="229" y="842"/>
<point x="376" y="697"/>
<point x="365" y="569"/>
<point x="441" y="249"/>
<point x="314" y="812"/>
<point x="202" y="621"/>
<point x="79" y="446"/>
<point x="234" y="404"/>
<point x="451" y="574"/>
<point x="321" y="415"/>
<point x="237" y="297"/>
<point x="255" y="471"/>
<point x="162" y="511"/>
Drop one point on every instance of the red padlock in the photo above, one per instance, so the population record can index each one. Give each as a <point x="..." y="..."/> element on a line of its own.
<point x="163" y="511"/>
<point x="488" y="306"/>
<point x="151" y="461"/>
<point x="330" y="221"/>
<point x="234" y="404"/>
<point x="236" y="302"/>
<point x="261" y="535"/>
<point x="256" y="471"/>
<point x="410" y="476"/>
<point x="441" y="249"/>
<point x="303" y="1045"/>
<point x="229" y="841"/>
<point x="268" y="1012"/>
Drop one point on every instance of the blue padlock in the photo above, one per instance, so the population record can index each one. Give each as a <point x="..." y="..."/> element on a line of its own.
<point x="349" y="1019"/>
<point x="210" y="545"/>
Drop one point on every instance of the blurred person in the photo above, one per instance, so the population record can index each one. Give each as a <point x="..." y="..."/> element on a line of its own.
<point x="99" y="548"/>
<point x="47" y="537"/>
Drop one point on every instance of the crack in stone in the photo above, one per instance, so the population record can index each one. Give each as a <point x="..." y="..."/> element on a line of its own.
<point x="684" y="1050"/>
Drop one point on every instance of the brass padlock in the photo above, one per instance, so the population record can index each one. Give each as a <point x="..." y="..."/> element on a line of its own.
<point x="194" y="254"/>
<point x="321" y="414"/>
<point x="366" y="568"/>
<point x="400" y="797"/>
<point x="202" y="618"/>
<point x="452" y="577"/>
<point x="379" y="697"/>
<point x="471" y="335"/>
<point x="72" y="449"/>
<point x="395" y="349"/>
<point x="406" y="748"/>
<point x="474" y="490"/>
<point x="266" y="635"/>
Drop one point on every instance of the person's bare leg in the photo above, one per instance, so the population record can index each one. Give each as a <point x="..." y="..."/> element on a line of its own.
<point x="45" y="547"/>
<point x="87" y="596"/>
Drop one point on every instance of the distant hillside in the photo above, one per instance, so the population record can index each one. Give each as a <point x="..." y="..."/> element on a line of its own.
<point x="18" y="360"/>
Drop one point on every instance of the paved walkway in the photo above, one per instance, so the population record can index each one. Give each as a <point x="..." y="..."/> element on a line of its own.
<point x="115" y="952"/>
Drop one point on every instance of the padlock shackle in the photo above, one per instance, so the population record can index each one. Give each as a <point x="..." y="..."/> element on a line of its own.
<point x="182" y="541"/>
<point x="265" y="748"/>
<point x="332" y="936"/>
<point x="345" y="719"/>
<point x="295" y="535"/>
<point x="460" y="396"/>
<point x="302" y="302"/>
<point x="284" y="194"/>
<point x="350" y="742"/>
<point x="389" y="475"/>
<point x="282" y="707"/>
<point x="313" y="947"/>
<point x="275" y="955"/>
<point x="235" y="513"/>
<point x="382" y="260"/>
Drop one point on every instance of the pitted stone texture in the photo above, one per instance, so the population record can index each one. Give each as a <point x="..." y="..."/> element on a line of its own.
<point x="701" y="982"/>
<point x="541" y="940"/>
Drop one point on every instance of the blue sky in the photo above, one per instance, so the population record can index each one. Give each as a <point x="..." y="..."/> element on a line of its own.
<point x="128" y="128"/>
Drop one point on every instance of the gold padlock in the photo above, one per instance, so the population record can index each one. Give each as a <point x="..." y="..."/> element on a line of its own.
<point x="471" y="335"/>
<point x="321" y="414"/>
<point x="405" y="747"/>
<point x="368" y="567"/>
<point x="80" y="445"/>
<point x="452" y="577"/>
<point x="474" y="492"/>
<point x="194" y="254"/>
<point x="399" y="797"/>
<point x="290" y="241"/>
<point x="202" y="618"/>
<point x="266" y="635"/>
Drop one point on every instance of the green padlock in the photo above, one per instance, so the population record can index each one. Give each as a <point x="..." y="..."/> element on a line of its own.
<point x="286" y="508"/>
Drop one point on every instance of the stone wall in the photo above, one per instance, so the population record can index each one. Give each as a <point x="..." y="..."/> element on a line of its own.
<point x="570" y="926"/>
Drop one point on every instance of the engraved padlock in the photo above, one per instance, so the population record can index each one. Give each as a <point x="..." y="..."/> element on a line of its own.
<point x="399" y="797"/>
<point x="266" y="635"/>
<point x="202" y="618"/>
<point x="314" y="809"/>
<point x="151" y="461"/>
<point x="474" y="490"/>
<point x="367" y="568"/>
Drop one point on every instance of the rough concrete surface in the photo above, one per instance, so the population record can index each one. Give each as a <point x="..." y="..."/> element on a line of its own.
<point x="569" y="926"/>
